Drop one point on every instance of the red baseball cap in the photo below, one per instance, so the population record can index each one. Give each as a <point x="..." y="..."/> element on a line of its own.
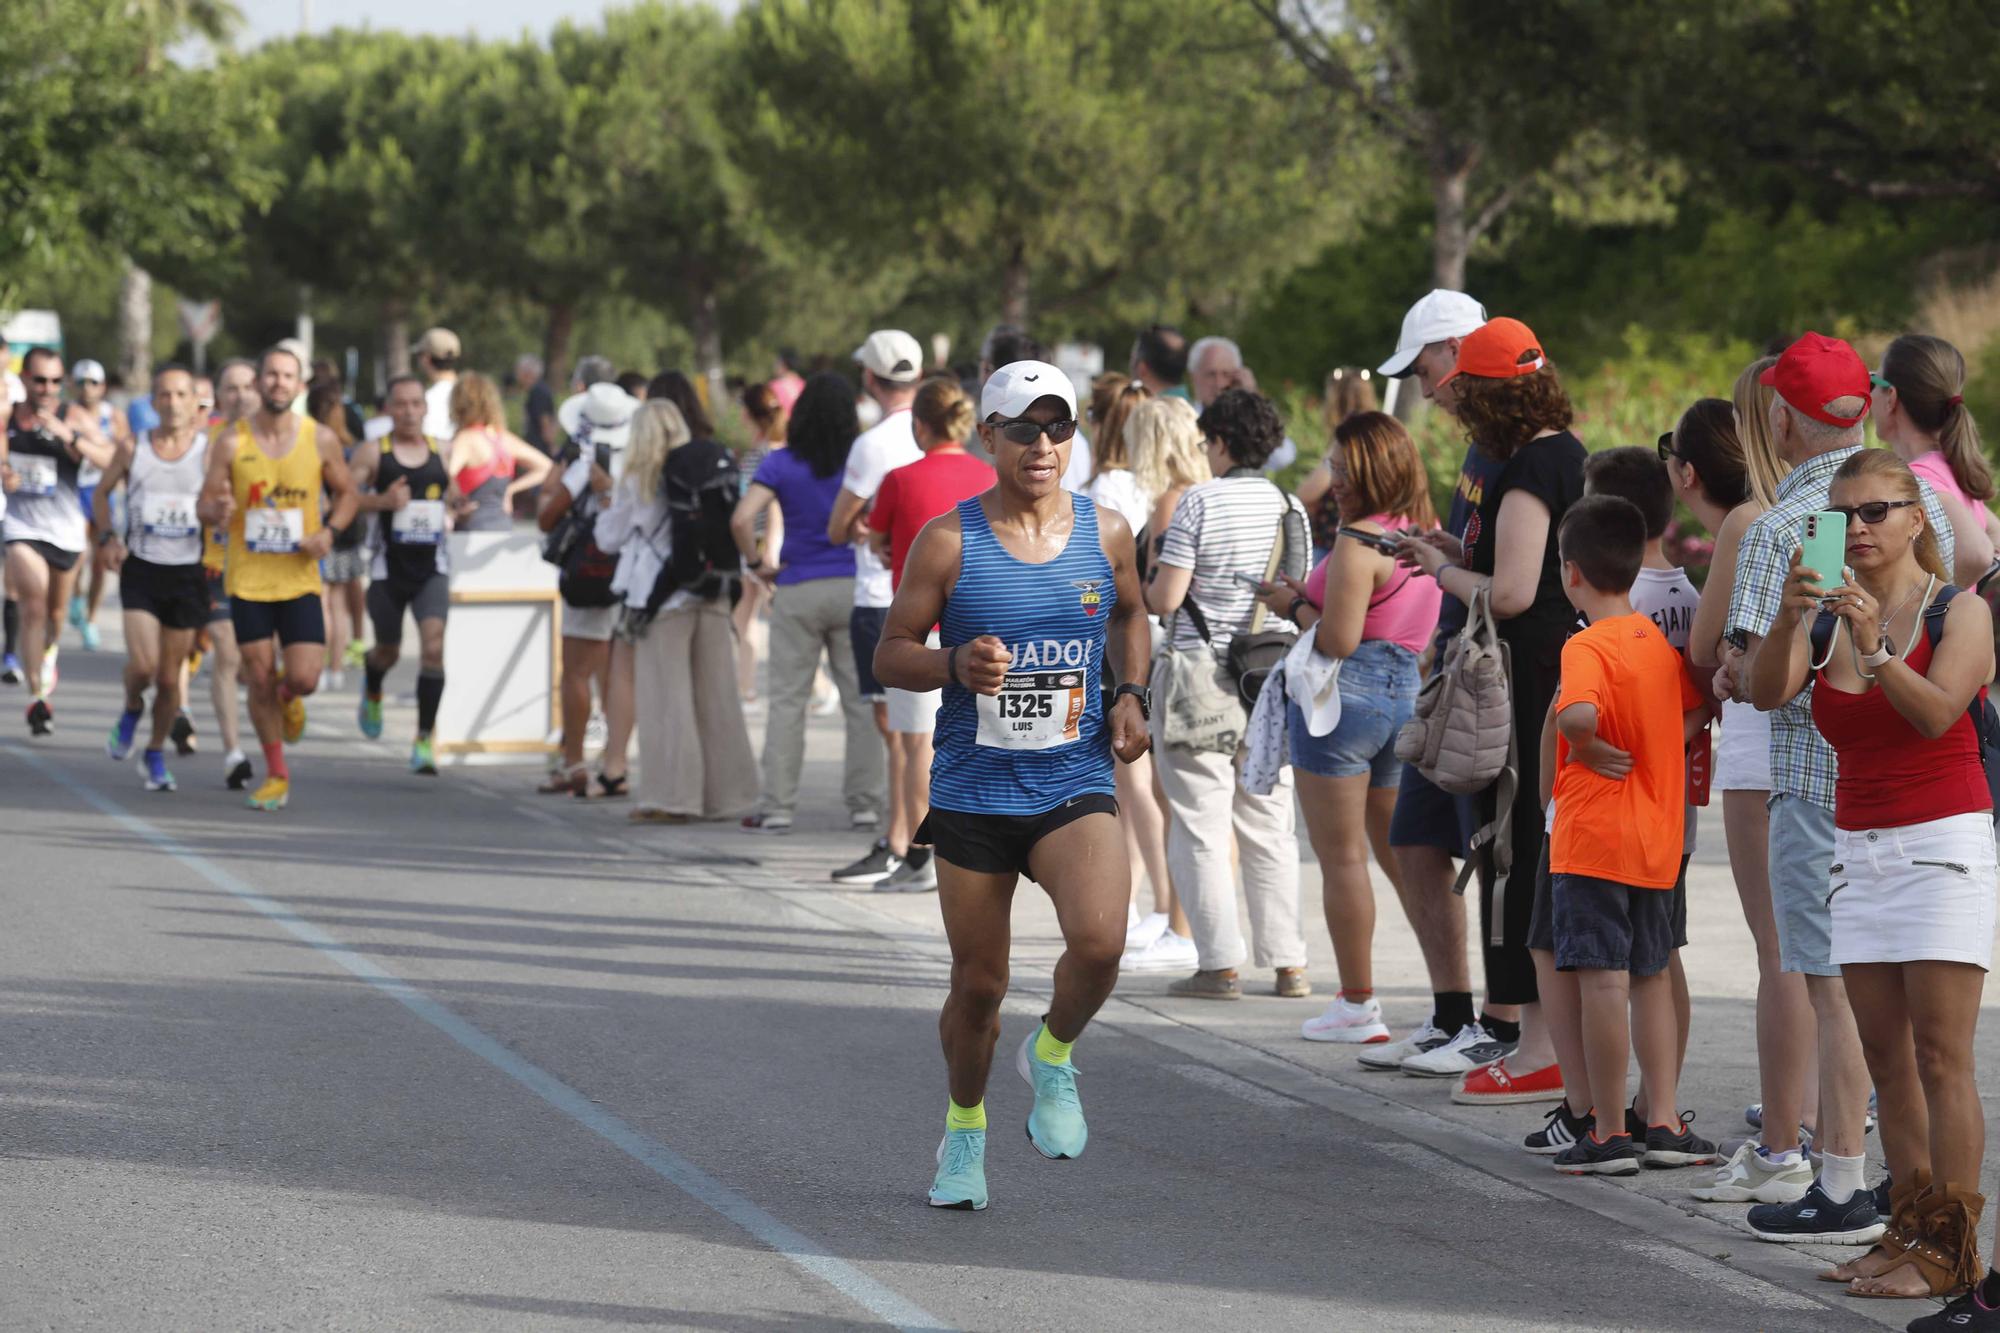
<point x="1814" y="371"/>
<point x="1499" y="349"/>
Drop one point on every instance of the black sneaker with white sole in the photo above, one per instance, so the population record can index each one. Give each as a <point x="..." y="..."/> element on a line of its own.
<point x="1592" y="1156"/>
<point x="1559" y="1131"/>
<point x="1967" y="1314"/>
<point x="183" y="735"/>
<point x="1677" y="1145"/>
<point x="1815" y="1219"/>
<point x="41" y="719"/>
<point x="876" y="866"/>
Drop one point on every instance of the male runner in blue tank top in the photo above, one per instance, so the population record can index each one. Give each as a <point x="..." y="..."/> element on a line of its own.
<point x="1028" y="584"/>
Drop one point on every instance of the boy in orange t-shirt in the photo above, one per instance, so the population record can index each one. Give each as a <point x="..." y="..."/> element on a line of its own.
<point x="1622" y="721"/>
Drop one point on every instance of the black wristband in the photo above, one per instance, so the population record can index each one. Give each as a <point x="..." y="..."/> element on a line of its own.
<point x="951" y="665"/>
<point x="1292" y="611"/>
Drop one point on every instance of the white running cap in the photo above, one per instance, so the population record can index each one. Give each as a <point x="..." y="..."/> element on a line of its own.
<point x="1019" y="385"/>
<point x="87" y="370"/>
<point x="893" y="355"/>
<point x="1440" y="315"/>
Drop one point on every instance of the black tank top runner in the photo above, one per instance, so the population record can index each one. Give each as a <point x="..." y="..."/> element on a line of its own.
<point x="408" y="562"/>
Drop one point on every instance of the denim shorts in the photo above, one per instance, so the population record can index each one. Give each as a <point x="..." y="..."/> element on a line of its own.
<point x="1378" y="690"/>
<point x="1801" y="861"/>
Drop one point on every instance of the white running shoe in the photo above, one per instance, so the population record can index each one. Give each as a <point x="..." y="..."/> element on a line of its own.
<point x="1751" y="1177"/>
<point x="1345" y="1021"/>
<point x="1168" y="953"/>
<point x="1473" y="1048"/>
<point x="1141" y="931"/>
<point x="1390" y="1055"/>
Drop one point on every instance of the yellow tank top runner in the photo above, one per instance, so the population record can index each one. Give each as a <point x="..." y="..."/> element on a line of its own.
<point x="277" y="508"/>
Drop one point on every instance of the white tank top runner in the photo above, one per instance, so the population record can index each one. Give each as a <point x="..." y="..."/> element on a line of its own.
<point x="160" y="498"/>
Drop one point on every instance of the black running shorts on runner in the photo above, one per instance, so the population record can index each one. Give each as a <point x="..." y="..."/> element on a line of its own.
<point x="174" y="595"/>
<point x="299" y="620"/>
<point x="54" y="556"/>
<point x="389" y="598"/>
<point x="1000" y="844"/>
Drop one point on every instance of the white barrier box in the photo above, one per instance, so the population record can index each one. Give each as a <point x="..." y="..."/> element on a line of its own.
<point x="501" y="651"/>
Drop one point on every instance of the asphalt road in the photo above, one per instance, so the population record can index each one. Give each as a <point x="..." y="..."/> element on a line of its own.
<point x="445" y="1054"/>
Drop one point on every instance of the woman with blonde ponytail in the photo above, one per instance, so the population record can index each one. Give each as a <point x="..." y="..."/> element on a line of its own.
<point x="1920" y="412"/>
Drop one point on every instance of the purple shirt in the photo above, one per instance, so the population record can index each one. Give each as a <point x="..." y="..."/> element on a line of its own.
<point x="806" y="502"/>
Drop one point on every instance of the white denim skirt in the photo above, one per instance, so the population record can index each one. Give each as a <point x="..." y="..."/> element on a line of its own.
<point x="1924" y="892"/>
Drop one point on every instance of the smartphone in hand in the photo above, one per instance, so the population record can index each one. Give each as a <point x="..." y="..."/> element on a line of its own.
<point x="1823" y="547"/>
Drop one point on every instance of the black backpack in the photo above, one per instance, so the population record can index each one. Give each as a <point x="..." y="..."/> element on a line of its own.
<point x="1985" y="721"/>
<point x="702" y="487"/>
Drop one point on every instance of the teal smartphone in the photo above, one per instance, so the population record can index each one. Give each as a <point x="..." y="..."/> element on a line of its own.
<point x="1823" y="547"/>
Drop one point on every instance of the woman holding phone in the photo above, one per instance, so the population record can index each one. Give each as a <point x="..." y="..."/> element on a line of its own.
<point x="1898" y="659"/>
<point x="1375" y="617"/>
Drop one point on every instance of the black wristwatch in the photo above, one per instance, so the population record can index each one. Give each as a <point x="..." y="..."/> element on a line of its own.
<point x="1140" y="692"/>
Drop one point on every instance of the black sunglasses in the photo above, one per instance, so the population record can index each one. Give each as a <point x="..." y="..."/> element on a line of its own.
<point x="1873" y="512"/>
<point x="1023" y="431"/>
<point x="46" y="379"/>
<point x="1667" y="447"/>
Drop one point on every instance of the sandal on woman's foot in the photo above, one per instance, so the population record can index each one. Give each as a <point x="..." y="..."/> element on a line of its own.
<point x="1943" y="1252"/>
<point x="611" y="788"/>
<point x="1897" y="1237"/>
<point x="575" y="781"/>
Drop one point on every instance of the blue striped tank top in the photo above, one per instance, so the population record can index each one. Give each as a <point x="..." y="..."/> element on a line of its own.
<point x="1043" y="740"/>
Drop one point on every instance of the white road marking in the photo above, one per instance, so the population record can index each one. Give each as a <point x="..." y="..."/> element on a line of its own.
<point x="663" y="1161"/>
<point x="1242" y="1089"/>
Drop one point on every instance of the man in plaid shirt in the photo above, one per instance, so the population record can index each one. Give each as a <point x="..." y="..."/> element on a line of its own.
<point x="1822" y="397"/>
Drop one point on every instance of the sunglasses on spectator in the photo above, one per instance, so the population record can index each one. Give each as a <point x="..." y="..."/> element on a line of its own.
<point x="45" y="379"/>
<point x="1667" y="447"/>
<point x="1881" y="385"/>
<point x="1873" y="512"/>
<point x="1023" y="431"/>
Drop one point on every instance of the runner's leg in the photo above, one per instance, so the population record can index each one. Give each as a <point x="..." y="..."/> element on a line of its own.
<point x="28" y="576"/>
<point x="170" y="669"/>
<point x="978" y="923"/>
<point x="143" y="645"/>
<point x="1082" y="867"/>
<point x="430" y="674"/>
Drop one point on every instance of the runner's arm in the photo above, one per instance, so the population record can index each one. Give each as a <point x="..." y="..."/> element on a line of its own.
<point x="88" y="442"/>
<point x="339" y="482"/>
<point x="218" y="499"/>
<point x="1129" y="636"/>
<point x="114" y="472"/>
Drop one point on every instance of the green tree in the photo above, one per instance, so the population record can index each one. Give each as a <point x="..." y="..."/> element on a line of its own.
<point x="109" y="144"/>
<point x="1081" y="161"/>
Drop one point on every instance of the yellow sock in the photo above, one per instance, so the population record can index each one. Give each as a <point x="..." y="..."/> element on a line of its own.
<point x="1050" y="1051"/>
<point x="964" y="1117"/>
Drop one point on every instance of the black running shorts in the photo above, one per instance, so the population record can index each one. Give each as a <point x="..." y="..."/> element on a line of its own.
<point x="1001" y="844"/>
<point x="174" y="595"/>
<point x="299" y="620"/>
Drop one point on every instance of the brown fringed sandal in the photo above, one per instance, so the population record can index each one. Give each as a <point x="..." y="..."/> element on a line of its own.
<point x="1944" y="1253"/>
<point x="1901" y="1232"/>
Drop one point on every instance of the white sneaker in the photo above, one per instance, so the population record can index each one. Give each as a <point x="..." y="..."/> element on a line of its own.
<point x="1390" y="1055"/>
<point x="1345" y="1021"/>
<point x="1168" y="953"/>
<point x="1473" y="1048"/>
<point x="1141" y="931"/>
<point x="1751" y="1177"/>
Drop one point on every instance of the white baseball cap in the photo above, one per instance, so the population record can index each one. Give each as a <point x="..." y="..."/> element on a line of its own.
<point x="87" y="369"/>
<point x="893" y="355"/>
<point x="1019" y="385"/>
<point x="1440" y="315"/>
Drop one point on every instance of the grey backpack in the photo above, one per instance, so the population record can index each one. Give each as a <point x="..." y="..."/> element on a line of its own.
<point x="1461" y="734"/>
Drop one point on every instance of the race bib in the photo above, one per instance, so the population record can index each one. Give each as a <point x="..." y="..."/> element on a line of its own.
<point x="1036" y="710"/>
<point x="418" y="523"/>
<point x="168" y="516"/>
<point x="37" y="473"/>
<point x="273" y="531"/>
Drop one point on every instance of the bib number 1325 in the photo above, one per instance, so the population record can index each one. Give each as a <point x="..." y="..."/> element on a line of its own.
<point x="1033" y="711"/>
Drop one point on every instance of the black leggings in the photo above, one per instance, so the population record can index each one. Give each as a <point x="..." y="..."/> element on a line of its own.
<point x="1510" y="972"/>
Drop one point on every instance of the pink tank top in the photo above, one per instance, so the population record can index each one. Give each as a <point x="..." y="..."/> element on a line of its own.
<point x="499" y="463"/>
<point x="1404" y="610"/>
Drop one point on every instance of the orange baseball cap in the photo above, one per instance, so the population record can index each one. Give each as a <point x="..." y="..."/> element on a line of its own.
<point x="1499" y="349"/>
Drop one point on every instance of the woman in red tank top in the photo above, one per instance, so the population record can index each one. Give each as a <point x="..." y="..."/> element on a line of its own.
<point x="1912" y="889"/>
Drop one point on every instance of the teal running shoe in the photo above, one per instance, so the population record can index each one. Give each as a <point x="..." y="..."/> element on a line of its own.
<point x="422" y="758"/>
<point x="123" y="731"/>
<point x="92" y="640"/>
<point x="1056" y="1125"/>
<point x="961" y="1174"/>
<point x="369" y="717"/>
